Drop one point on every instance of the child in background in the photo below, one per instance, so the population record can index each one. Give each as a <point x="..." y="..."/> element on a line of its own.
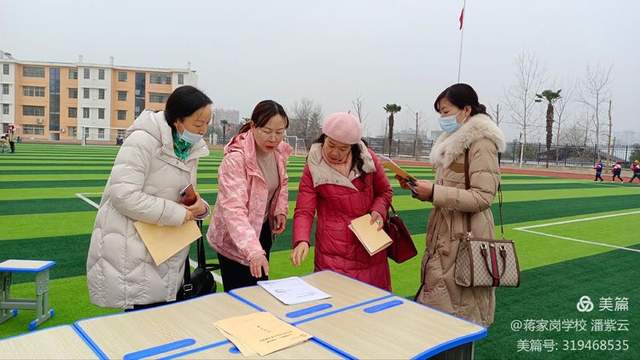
<point x="616" y="170"/>
<point x="635" y="167"/>
<point x="598" y="166"/>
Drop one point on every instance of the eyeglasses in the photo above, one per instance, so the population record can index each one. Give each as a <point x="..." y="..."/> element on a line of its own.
<point x="268" y="133"/>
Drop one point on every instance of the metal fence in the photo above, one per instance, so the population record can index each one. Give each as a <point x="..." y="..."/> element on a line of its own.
<point x="533" y="154"/>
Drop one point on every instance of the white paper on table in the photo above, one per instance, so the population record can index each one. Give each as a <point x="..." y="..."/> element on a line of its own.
<point x="293" y="290"/>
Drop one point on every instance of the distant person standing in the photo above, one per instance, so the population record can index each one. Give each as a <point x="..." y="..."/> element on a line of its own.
<point x="616" y="170"/>
<point x="12" y="138"/>
<point x="598" y="166"/>
<point x="635" y="168"/>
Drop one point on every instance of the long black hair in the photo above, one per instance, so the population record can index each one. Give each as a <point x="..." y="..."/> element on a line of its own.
<point x="262" y="113"/>
<point x="356" y="152"/>
<point x="183" y="102"/>
<point x="461" y="95"/>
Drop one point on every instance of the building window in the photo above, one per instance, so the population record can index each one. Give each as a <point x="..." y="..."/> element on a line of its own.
<point x="5" y="109"/>
<point x="29" y="129"/>
<point x="85" y="113"/>
<point x="72" y="131"/>
<point x="33" y="91"/>
<point x="160" y="78"/>
<point x="33" y="71"/>
<point x="101" y="94"/>
<point x="73" y="74"/>
<point x="180" y="79"/>
<point x="87" y="73"/>
<point x="122" y="76"/>
<point x="122" y="96"/>
<point x="101" y="113"/>
<point x="101" y="74"/>
<point x="158" y="97"/>
<point x="73" y="93"/>
<point x="122" y="114"/>
<point x="5" y="89"/>
<point x="28" y="110"/>
<point x="73" y="112"/>
<point x="100" y="133"/>
<point x="86" y="93"/>
<point x="5" y="69"/>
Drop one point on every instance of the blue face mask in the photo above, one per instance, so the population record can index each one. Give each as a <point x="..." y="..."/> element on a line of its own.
<point x="449" y="124"/>
<point x="190" y="137"/>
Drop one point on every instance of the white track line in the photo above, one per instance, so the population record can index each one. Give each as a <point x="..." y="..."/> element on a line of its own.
<point x="526" y="229"/>
<point x="193" y="264"/>
<point x="578" y="240"/>
<point x="577" y="220"/>
<point x="87" y="200"/>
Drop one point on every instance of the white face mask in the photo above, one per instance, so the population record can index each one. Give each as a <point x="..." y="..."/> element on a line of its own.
<point x="449" y="124"/>
<point x="190" y="137"/>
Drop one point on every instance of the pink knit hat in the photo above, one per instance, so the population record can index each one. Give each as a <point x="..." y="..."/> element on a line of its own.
<point x="343" y="127"/>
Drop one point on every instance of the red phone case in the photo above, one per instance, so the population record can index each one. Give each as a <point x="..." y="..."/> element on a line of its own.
<point x="188" y="196"/>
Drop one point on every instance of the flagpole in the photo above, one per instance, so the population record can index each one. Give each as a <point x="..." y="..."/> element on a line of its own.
<point x="464" y="5"/>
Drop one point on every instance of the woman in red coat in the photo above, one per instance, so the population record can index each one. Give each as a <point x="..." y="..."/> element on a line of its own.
<point x="342" y="180"/>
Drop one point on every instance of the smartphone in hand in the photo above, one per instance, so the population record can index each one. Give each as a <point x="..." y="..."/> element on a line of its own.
<point x="188" y="195"/>
<point x="412" y="187"/>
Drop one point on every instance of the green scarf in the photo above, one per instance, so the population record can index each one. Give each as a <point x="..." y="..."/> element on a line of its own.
<point x="181" y="147"/>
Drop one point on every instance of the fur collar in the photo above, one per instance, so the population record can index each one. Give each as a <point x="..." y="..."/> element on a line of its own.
<point x="449" y="147"/>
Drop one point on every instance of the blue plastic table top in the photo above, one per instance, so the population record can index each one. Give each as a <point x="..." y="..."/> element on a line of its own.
<point x="28" y="266"/>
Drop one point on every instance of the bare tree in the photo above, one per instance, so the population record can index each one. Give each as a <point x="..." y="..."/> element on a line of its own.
<point x="306" y="120"/>
<point x="358" y="104"/>
<point x="496" y="114"/>
<point x="521" y="96"/>
<point x="574" y="134"/>
<point x="594" y="92"/>
<point x="560" y="107"/>
<point x="577" y="137"/>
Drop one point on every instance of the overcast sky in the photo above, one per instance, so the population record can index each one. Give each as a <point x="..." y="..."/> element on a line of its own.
<point x="402" y="52"/>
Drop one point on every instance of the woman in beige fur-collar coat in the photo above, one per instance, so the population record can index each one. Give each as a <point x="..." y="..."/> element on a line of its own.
<point x="466" y="126"/>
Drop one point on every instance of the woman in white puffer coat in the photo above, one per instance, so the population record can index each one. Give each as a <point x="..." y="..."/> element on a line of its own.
<point x="157" y="160"/>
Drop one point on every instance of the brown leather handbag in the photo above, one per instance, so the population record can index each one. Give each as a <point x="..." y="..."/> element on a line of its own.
<point x="402" y="248"/>
<point x="485" y="262"/>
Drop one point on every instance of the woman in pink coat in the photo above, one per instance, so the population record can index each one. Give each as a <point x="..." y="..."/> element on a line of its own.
<point x="252" y="202"/>
<point x="342" y="180"/>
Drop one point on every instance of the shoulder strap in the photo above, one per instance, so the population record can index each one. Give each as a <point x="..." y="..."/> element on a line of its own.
<point x="500" y="197"/>
<point x="202" y="260"/>
<point x="467" y="185"/>
<point x="187" y="285"/>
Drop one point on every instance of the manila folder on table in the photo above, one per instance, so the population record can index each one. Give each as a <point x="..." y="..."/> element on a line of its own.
<point x="163" y="242"/>
<point x="261" y="332"/>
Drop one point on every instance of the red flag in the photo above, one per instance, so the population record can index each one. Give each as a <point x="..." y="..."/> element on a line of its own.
<point x="461" y="18"/>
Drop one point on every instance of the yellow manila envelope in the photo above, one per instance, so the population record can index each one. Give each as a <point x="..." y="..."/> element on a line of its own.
<point x="244" y="348"/>
<point x="372" y="239"/>
<point x="387" y="163"/>
<point x="260" y="332"/>
<point x="163" y="242"/>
